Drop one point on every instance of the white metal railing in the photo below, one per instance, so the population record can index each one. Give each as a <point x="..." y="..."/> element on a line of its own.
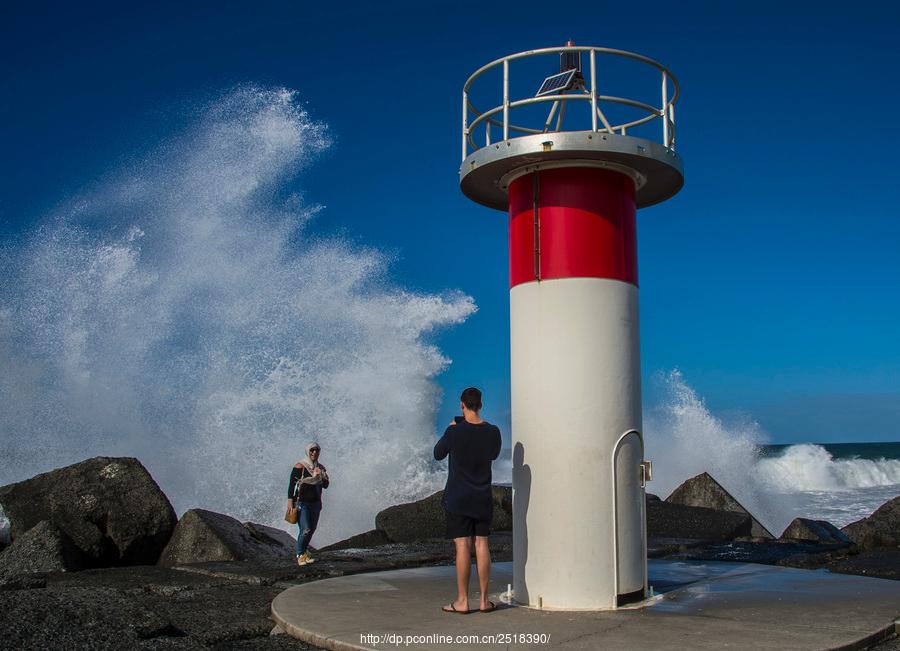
<point x="665" y="112"/>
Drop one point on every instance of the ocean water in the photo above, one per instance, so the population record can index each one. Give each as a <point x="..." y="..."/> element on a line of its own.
<point x="837" y="482"/>
<point x="840" y="483"/>
<point x="180" y="311"/>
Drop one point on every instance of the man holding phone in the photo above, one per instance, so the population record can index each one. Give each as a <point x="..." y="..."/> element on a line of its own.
<point x="472" y="444"/>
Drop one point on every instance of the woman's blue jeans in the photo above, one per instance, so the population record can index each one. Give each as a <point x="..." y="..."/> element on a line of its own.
<point x="307" y="521"/>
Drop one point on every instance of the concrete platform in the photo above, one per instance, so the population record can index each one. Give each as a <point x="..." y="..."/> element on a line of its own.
<point x="699" y="605"/>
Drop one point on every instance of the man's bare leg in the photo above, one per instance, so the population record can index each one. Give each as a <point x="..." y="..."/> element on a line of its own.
<point x="463" y="570"/>
<point x="483" y="560"/>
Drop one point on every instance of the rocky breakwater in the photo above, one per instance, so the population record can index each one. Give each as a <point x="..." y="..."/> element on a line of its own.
<point x="868" y="547"/>
<point x="700" y="520"/>
<point x="96" y="558"/>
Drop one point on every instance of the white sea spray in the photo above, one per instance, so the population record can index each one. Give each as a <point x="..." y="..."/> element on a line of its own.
<point x="184" y="314"/>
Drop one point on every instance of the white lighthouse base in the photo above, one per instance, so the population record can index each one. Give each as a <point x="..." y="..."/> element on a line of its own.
<point x="579" y="539"/>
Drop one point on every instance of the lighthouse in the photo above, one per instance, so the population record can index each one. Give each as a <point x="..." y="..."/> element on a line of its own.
<point x="570" y="162"/>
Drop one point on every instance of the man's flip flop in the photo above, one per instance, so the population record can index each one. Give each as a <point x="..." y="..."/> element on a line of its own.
<point x="489" y="609"/>
<point x="452" y="609"/>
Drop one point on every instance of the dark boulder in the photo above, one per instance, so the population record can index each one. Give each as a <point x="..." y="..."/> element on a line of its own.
<point x="666" y="520"/>
<point x="203" y="536"/>
<point x="366" y="540"/>
<point x="4" y="530"/>
<point x="413" y="521"/>
<point x="425" y="518"/>
<point x="818" y="531"/>
<point x="276" y="536"/>
<point x="502" y="520"/>
<point x="705" y="491"/>
<point x="881" y="529"/>
<point x="43" y="548"/>
<point x="111" y="508"/>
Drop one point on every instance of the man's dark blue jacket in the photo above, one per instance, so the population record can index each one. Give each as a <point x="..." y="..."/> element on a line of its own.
<point x="471" y="449"/>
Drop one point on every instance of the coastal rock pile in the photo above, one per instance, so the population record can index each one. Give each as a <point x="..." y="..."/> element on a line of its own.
<point x="881" y="529"/>
<point x="704" y="491"/>
<point x="424" y="519"/>
<point x="111" y="509"/>
<point x="217" y="577"/>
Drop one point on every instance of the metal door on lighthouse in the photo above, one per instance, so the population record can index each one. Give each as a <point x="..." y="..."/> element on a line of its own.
<point x="630" y="520"/>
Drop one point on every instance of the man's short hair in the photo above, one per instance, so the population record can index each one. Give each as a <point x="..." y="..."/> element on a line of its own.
<point x="471" y="398"/>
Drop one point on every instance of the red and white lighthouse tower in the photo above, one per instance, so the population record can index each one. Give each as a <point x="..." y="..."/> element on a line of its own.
<point x="572" y="185"/>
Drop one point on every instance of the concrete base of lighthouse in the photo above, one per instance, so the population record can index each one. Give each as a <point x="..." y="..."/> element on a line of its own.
<point x="579" y="540"/>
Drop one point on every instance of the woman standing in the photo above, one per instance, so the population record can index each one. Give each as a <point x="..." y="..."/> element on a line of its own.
<point x="308" y="478"/>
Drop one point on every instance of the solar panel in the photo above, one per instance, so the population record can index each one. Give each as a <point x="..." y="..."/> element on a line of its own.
<point x="555" y="83"/>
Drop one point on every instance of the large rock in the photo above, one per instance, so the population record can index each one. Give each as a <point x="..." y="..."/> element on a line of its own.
<point x="666" y="520"/>
<point x="366" y="540"/>
<point x="818" y="531"/>
<point x="43" y="548"/>
<point x="881" y="529"/>
<point x="280" y="536"/>
<point x="705" y="491"/>
<point x="203" y="536"/>
<point x="4" y="530"/>
<point x="425" y="518"/>
<point x="4" y="537"/>
<point x="413" y="521"/>
<point x="111" y="508"/>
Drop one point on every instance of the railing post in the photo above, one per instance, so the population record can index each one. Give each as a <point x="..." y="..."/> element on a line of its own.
<point x="672" y="118"/>
<point x="505" y="99"/>
<point x="465" y="124"/>
<point x="593" y="90"/>
<point x="664" y="112"/>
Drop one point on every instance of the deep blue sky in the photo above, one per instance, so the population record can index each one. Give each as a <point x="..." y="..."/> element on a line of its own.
<point x="771" y="280"/>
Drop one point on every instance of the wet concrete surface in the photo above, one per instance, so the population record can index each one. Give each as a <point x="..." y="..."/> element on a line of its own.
<point x="698" y="605"/>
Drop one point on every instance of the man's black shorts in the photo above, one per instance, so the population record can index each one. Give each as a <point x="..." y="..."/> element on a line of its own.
<point x="461" y="526"/>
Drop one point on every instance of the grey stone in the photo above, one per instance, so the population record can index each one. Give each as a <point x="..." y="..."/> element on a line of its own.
<point x="366" y="540"/>
<point x="666" y="520"/>
<point x="881" y="529"/>
<point x="279" y="536"/>
<point x="203" y="536"/>
<point x="425" y="518"/>
<point x="4" y="530"/>
<point x="111" y="508"/>
<point x="43" y="548"/>
<point x="705" y="491"/>
<point x="413" y="521"/>
<point x="818" y="531"/>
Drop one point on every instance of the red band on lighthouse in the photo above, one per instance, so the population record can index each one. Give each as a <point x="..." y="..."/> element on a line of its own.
<point x="573" y="222"/>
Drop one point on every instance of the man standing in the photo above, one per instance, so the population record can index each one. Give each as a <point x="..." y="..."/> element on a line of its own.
<point x="472" y="444"/>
